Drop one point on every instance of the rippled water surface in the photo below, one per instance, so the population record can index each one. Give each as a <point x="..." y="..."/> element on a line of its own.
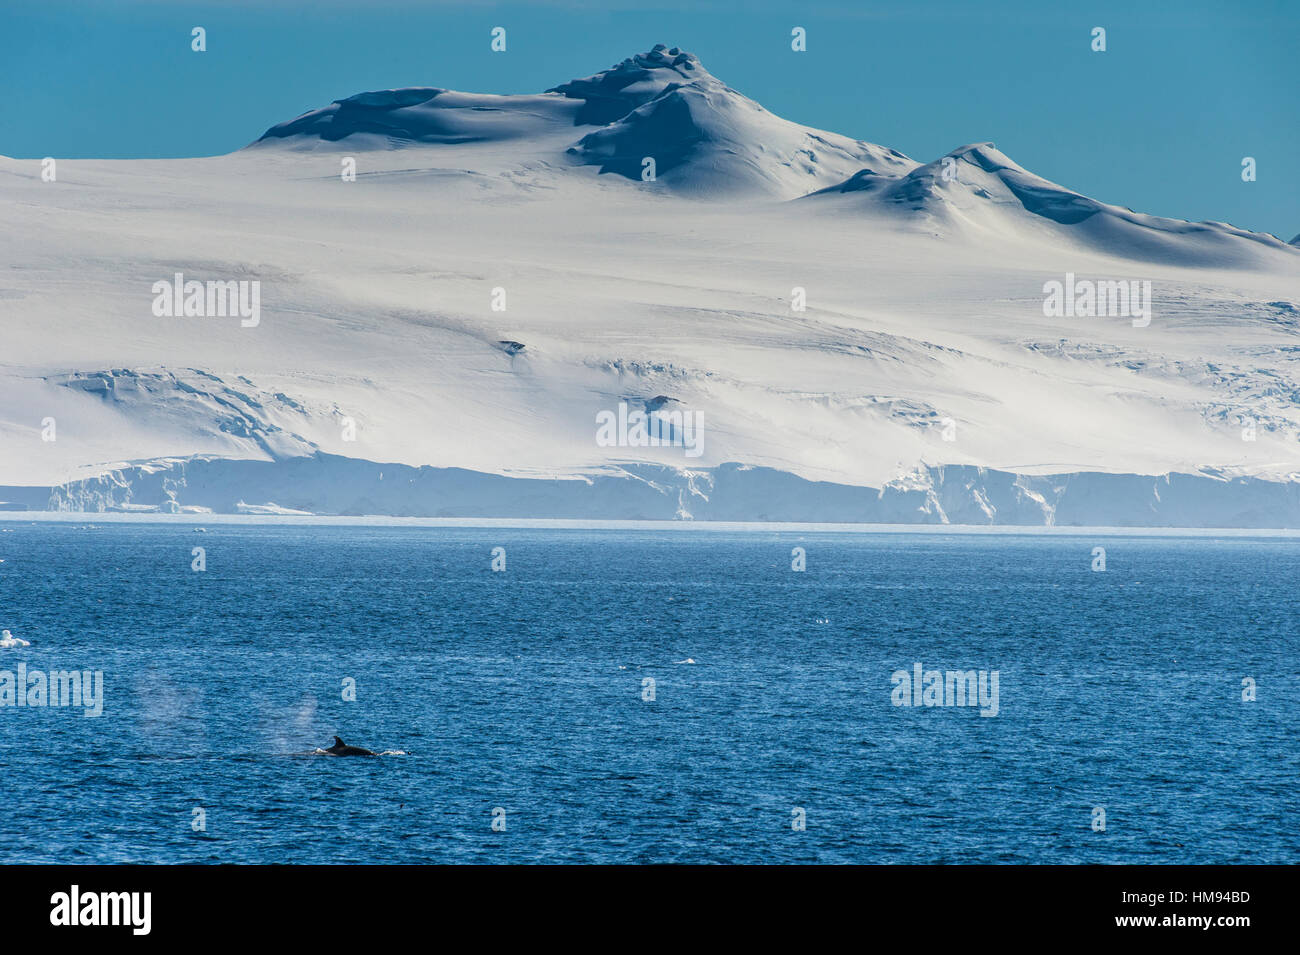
<point x="523" y="690"/>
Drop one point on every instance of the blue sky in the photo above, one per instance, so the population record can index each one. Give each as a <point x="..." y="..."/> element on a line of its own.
<point x="1160" y="122"/>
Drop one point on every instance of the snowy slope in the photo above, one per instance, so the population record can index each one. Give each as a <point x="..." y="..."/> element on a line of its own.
<point x="395" y="118"/>
<point x="706" y="139"/>
<point x="922" y="376"/>
<point x="977" y="188"/>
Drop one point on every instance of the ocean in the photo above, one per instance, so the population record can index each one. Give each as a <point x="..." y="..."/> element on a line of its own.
<point x="647" y="696"/>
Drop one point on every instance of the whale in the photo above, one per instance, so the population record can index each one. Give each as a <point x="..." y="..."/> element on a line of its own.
<point x="341" y="748"/>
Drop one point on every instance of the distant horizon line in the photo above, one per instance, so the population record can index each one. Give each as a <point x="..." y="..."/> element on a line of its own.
<point x="543" y="523"/>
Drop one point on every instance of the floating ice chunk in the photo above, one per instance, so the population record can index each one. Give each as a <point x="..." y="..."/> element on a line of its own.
<point x="8" y="641"/>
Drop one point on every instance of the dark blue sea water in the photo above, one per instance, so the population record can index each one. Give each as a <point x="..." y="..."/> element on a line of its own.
<point x="523" y="690"/>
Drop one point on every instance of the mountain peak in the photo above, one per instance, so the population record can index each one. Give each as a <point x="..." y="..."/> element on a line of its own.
<point x="613" y="93"/>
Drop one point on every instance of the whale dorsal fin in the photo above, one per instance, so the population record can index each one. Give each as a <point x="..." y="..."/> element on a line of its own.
<point x="339" y="742"/>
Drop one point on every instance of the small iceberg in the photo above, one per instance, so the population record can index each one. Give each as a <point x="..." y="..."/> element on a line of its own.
<point x="8" y="641"/>
<point x="687" y="660"/>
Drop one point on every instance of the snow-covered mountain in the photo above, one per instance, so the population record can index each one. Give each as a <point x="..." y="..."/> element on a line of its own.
<point x="857" y="336"/>
<point x="977" y="188"/>
<point x="704" y="137"/>
<point x="707" y="139"/>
